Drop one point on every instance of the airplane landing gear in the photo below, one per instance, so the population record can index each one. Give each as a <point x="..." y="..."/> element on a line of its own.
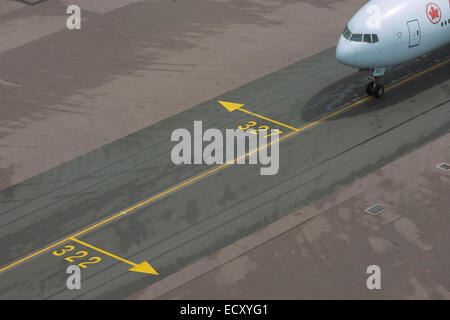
<point x="375" y="87"/>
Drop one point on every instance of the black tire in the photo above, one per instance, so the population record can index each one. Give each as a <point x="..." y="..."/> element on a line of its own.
<point x="370" y="89"/>
<point x="378" y="92"/>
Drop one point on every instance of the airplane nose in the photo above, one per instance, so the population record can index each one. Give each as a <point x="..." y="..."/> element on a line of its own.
<point x="345" y="53"/>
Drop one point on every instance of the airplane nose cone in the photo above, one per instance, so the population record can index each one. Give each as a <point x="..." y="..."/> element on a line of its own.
<point x="345" y="53"/>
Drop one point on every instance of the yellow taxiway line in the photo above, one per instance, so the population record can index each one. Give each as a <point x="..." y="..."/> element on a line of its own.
<point x="419" y="74"/>
<point x="215" y="169"/>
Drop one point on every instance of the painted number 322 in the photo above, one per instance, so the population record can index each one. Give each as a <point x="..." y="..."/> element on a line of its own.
<point x="77" y="255"/>
<point x="252" y="124"/>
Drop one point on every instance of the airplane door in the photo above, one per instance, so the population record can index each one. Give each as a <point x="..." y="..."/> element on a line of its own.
<point x="414" y="33"/>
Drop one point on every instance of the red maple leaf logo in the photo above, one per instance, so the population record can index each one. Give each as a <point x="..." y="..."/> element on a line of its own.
<point x="434" y="13"/>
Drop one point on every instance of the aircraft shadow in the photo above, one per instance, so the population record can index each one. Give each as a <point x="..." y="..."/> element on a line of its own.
<point x="352" y="88"/>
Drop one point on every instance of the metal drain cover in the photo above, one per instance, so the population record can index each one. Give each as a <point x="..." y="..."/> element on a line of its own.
<point x="444" y="166"/>
<point x="376" y="209"/>
<point x="31" y="2"/>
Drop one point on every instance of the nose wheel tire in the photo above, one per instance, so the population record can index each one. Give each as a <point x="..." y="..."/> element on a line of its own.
<point x="370" y="89"/>
<point x="378" y="91"/>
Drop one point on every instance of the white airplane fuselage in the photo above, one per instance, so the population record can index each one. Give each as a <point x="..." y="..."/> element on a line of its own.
<point x="390" y="32"/>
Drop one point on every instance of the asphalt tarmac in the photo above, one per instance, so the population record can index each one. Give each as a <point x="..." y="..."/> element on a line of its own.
<point x="191" y="221"/>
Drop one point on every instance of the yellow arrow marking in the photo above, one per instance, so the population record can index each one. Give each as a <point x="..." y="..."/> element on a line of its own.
<point x="208" y="172"/>
<point x="143" y="267"/>
<point x="231" y="106"/>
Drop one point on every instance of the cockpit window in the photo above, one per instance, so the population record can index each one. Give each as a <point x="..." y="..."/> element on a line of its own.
<point x="357" y="37"/>
<point x="347" y="33"/>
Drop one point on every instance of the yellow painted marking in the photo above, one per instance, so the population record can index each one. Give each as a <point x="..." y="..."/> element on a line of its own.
<point x="143" y="267"/>
<point x="215" y="169"/>
<point x="334" y="114"/>
<point x="230" y="106"/>
<point x="56" y="244"/>
<point x="417" y="75"/>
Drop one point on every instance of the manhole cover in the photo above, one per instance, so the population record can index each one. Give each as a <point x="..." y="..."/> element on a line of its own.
<point x="31" y="2"/>
<point x="444" y="166"/>
<point x="376" y="209"/>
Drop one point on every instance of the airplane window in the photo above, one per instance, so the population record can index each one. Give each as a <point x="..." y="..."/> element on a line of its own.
<point x="347" y="33"/>
<point x="374" y="38"/>
<point x="356" y="37"/>
<point x="367" y="38"/>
